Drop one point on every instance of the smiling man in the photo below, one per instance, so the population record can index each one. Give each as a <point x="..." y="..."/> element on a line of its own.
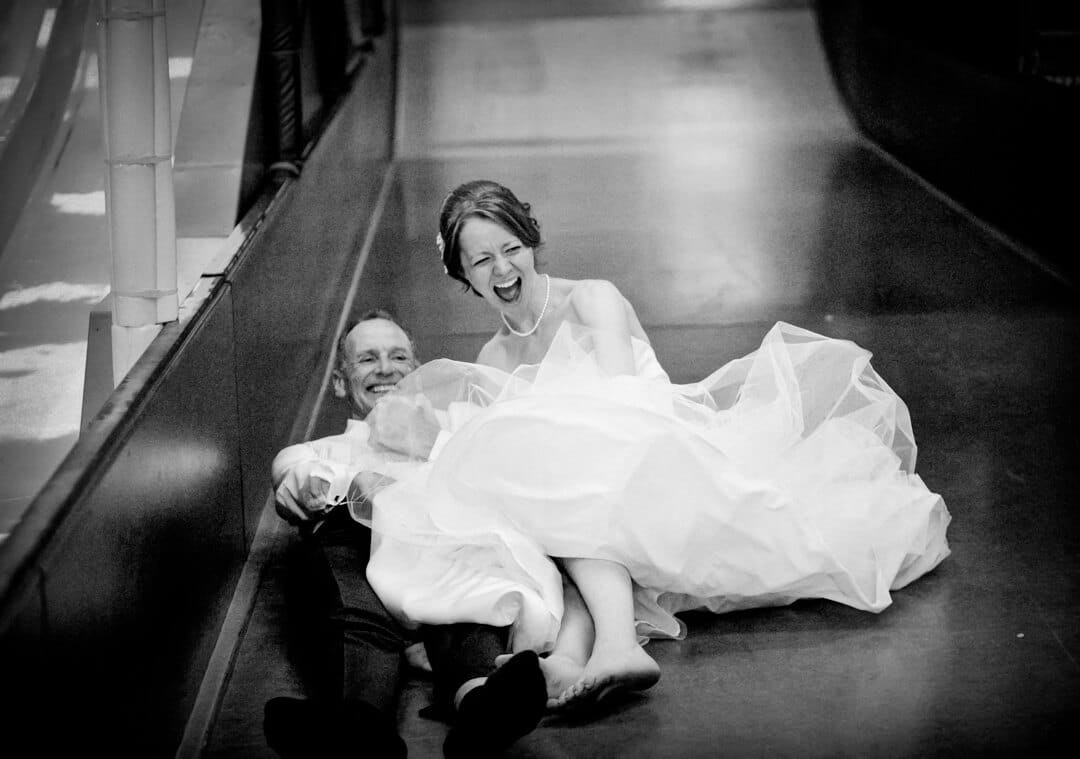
<point x="313" y="484"/>
<point x="373" y="354"/>
<point x="372" y="358"/>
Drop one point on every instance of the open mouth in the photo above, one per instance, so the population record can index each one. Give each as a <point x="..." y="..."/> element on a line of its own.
<point x="380" y="389"/>
<point x="509" y="293"/>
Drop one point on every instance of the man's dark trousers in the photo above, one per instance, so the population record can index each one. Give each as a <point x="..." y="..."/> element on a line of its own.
<point x="363" y="644"/>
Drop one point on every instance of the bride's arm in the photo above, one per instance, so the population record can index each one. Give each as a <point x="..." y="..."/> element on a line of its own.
<point x="600" y="306"/>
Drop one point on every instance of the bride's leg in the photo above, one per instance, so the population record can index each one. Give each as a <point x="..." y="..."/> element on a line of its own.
<point x="565" y="664"/>
<point x="616" y="661"/>
<point x="562" y="667"/>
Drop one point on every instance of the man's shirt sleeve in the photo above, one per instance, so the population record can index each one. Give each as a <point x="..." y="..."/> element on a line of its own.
<point x="336" y="460"/>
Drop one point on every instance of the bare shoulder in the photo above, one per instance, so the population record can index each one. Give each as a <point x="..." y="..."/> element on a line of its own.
<point x="589" y="294"/>
<point x="596" y="287"/>
<point x="598" y="303"/>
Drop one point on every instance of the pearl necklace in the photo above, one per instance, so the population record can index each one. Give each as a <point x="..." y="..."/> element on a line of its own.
<point x="543" y="310"/>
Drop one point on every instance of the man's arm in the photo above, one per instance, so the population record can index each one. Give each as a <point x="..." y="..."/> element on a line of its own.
<point x="311" y="478"/>
<point x="301" y="483"/>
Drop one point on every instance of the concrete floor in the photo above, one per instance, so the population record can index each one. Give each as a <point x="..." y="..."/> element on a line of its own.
<point x="696" y="155"/>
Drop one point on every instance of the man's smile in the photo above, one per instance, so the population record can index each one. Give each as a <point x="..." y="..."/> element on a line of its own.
<point x="380" y="388"/>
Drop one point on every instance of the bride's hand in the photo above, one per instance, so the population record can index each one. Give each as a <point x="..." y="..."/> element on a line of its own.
<point x="406" y="424"/>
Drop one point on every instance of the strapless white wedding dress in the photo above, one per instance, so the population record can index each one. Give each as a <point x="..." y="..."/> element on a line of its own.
<point x="786" y="474"/>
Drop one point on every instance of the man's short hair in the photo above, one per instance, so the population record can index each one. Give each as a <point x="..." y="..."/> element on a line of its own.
<point x="369" y="315"/>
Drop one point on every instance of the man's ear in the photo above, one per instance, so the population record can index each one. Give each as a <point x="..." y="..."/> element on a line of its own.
<point x="341" y="386"/>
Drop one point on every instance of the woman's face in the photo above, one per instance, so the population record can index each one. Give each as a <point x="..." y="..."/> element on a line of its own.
<point x="496" y="263"/>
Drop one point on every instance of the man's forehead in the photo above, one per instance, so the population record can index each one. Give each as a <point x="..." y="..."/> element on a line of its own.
<point x="377" y="334"/>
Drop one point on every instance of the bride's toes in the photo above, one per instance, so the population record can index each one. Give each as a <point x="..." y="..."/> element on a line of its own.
<point x="560" y="701"/>
<point x="605" y="675"/>
<point x="575" y="695"/>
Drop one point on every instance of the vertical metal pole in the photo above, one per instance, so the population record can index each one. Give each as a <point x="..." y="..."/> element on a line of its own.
<point x="133" y="69"/>
<point x="282" y="20"/>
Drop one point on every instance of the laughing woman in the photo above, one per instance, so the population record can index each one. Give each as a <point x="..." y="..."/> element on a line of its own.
<point x="490" y="245"/>
<point x="786" y="474"/>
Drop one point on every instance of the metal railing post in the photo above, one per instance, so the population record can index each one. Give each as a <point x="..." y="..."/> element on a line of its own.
<point x="133" y="69"/>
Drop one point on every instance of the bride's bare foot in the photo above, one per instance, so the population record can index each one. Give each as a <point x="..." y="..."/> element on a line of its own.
<point x="560" y="673"/>
<point x="607" y="672"/>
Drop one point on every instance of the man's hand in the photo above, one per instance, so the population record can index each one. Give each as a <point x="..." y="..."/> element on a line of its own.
<point x="406" y="424"/>
<point x="417" y="657"/>
<point x="306" y="503"/>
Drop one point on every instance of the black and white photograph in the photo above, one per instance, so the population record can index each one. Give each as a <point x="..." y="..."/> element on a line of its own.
<point x="550" y="379"/>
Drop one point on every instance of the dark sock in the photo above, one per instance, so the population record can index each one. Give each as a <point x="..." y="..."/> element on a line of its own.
<point x="492" y="716"/>
<point x="296" y="727"/>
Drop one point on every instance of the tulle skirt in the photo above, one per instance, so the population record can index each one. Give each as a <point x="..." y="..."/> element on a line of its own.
<point x="786" y="474"/>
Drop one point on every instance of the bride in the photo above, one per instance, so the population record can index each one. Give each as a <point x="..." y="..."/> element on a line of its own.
<point x="786" y="474"/>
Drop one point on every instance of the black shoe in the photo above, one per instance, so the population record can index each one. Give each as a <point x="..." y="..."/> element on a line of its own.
<point x="296" y="727"/>
<point x="492" y="716"/>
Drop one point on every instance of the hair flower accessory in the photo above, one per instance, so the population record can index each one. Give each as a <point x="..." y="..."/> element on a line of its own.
<point x="441" y="245"/>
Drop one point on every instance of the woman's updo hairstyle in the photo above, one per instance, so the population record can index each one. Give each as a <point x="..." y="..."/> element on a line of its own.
<point x="487" y="200"/>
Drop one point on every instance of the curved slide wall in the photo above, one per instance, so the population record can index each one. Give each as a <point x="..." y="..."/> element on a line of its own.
<point x="980" y="99"/>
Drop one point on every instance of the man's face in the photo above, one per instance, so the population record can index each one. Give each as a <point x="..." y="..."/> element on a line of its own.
<point x="377" y="355"/>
